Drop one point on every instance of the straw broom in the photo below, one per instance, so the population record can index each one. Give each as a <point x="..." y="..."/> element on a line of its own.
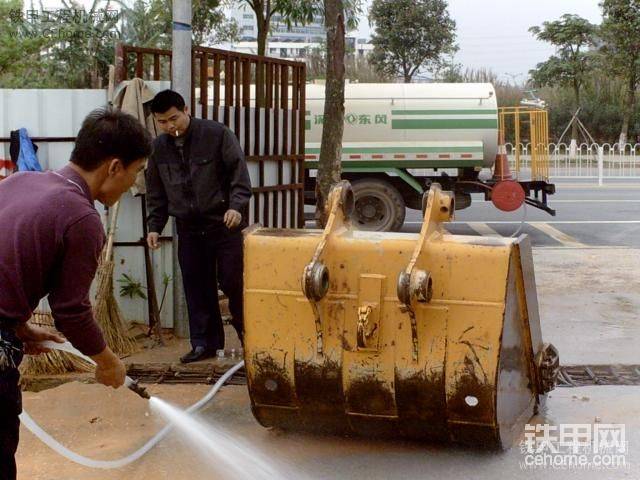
<point x="106" y="309"/>
<point x="54" y="362"/>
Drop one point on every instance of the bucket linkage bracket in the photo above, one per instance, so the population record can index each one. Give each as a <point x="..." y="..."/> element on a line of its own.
<point x="415" y="285"/>
<point x="315" y="277"/>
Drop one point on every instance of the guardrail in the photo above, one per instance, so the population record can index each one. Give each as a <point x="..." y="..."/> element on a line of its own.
<point x="597" y="161"/>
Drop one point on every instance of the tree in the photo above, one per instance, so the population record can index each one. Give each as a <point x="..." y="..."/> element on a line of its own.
<point x="571" y="64"/>
<point x="291" y="11"/>
<point x="329" y="163"/>
<point x="620" y="33"/>
<point x="410" y="35"/>
<point x="148" y="23"/>
<point x="84" y="43"/>
<point x="21" y="63"/>
<point x="294" y="12"/>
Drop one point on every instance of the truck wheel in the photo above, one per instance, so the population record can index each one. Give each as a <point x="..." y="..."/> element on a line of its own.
<point x="378" y="206"/>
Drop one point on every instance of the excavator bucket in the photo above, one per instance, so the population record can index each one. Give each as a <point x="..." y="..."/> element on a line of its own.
<point x="426" y="336"/>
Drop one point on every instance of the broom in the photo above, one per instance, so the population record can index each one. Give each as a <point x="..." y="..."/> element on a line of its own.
<point x="54" y="362"/>
<point x="106" y="309"/>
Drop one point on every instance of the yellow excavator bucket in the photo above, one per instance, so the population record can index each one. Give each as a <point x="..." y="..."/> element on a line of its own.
<point x="427" y="336"/>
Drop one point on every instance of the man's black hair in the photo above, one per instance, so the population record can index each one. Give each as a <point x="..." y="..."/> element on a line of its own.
<point x="107" y="133"/>
<point x="164" y="100"/>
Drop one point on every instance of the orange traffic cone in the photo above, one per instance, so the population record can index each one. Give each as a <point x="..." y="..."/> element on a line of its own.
<point x="501" y="169"/>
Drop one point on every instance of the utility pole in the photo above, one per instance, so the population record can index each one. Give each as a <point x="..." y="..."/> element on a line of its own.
<point x="181" y="83"/>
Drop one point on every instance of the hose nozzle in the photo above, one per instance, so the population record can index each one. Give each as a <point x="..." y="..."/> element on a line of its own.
<point x="134" y="386"/>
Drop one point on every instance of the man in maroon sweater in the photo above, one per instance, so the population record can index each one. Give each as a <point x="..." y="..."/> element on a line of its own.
<point x="50" y="242"/>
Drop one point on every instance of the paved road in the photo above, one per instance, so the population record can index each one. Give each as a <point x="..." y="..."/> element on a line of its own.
<point x="587" y="215"/>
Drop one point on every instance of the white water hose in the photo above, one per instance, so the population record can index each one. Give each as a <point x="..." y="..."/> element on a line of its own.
<point x="37" y="430"/>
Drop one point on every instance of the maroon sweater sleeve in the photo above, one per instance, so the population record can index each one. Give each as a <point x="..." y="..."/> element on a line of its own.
<point x="69" y="298"/>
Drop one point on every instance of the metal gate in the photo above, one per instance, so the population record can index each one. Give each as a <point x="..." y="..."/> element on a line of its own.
<point x="262" y="100"/>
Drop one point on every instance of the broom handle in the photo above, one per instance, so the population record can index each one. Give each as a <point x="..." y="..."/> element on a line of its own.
<point x="112" y="231"/>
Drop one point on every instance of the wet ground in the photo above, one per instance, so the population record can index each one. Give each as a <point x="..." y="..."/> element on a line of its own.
<point x="82" y="418"/>
<point x="589" y="303"/>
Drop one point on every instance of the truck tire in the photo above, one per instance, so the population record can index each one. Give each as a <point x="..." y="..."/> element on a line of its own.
<point x="378" y="206"/>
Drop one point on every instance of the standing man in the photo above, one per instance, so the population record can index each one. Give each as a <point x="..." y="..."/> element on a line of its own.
<point x="52" y="238"/>
<point x="198" y="174"/>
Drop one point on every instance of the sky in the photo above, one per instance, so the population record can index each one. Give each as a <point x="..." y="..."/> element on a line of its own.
<point x="494" y="33"/>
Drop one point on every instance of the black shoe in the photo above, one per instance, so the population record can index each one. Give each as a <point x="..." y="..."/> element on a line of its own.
<point x="198" y="353"/>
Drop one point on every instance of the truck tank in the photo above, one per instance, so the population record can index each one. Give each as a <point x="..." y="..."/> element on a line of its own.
<point x="421" y="123"/>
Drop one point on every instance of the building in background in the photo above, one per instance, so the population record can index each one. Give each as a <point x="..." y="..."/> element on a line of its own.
<point x="311" y="33"/>
<point x="295" y="43"/>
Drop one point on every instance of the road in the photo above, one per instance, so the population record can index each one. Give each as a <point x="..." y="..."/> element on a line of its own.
<point x="586" y="216"/>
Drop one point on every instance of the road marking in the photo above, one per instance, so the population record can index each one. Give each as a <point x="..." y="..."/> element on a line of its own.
<point x="604" y="200"/>
<point x="585" y="247"/>
<point x="557" y="235"/>
<point x="584" y="186"/>
<point x="483" y="229"/>
<point x="556" y="222"/>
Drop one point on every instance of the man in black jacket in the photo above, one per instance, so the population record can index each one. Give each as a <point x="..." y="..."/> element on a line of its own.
<point x="198" y="174"/>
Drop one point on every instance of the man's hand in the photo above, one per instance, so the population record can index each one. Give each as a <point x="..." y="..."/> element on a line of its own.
<point x="152" y="240"/>
<point x="31" y="336"/>
<point x="110" y="370"/>
<point x="232" y="218"/>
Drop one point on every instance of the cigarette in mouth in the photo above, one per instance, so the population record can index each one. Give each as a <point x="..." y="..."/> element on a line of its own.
<point x="177" y="133"/>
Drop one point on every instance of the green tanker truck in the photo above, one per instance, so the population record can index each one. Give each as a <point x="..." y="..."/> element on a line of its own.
<point x="399" y="138"/>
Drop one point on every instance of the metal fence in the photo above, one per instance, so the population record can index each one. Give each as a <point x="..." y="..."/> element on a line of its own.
<point x="604" y="161"/>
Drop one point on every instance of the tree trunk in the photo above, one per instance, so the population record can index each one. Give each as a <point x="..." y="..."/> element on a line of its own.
<point x="407" y="78"/>
<point x="263" y="31"/>
<point x="262" y="21"/>
<point x="629" y="105"/>
<point x="330" y="165"/>
<point x="574" y="126"/>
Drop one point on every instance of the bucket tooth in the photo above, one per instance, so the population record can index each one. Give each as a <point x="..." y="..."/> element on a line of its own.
<point x="430" y="336"/>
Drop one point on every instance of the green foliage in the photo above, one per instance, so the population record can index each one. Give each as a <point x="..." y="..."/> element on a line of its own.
<point x="601" y="111"/>
<point x="20" y="48"/>
<point x="620" y="34"/>
<point x="81" y="55"/>
<point x="148" y="23"/>
<point x="131" y="287"/>
<point x="74" y="50"/>
<point x="410" y="35"/>
<point x="571" y="35"/>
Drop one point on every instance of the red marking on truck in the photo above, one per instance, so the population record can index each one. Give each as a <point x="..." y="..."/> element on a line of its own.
<point x="376" y="156"/>
<point x="422" y="155"/>
<point x="309" y="157"/>
<point x="398" y="156"/>
<point x="355" y="156"/>
<point x="466" y="155"/>
<point x="444" y="155"/>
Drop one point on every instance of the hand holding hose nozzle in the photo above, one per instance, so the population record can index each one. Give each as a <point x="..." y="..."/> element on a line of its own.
<point x="129" y="382"/>
<point x="135" y="387"/>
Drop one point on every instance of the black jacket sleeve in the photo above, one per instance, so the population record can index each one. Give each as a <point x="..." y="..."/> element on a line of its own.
<point x="157" y="204"/>
<point x="238" y="174"/>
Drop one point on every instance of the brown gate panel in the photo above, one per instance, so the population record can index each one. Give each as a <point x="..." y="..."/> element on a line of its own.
<point x="262" y="100"/>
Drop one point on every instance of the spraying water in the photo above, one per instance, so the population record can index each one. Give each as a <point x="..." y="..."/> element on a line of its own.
<point x="224" y="449"/>
<point x="28" y="422"/>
